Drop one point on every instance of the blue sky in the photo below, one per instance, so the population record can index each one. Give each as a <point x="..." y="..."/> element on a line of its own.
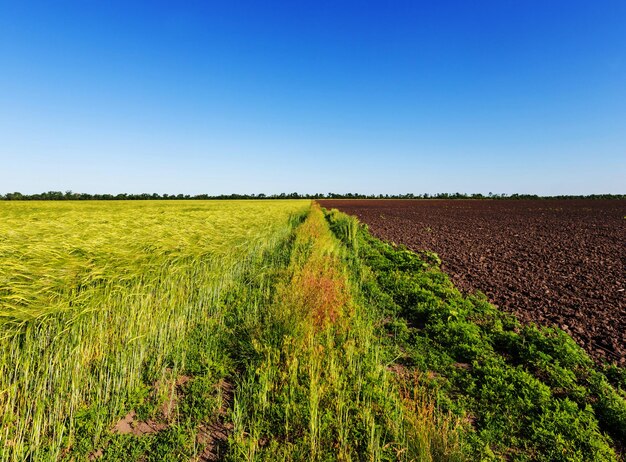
<point x="373" y="97"/>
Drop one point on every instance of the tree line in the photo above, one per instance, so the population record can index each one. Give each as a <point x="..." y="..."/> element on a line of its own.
<point x="70" y="195"/>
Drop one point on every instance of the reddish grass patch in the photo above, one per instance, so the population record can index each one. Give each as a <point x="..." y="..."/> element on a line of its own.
<point x="322" y="291"/>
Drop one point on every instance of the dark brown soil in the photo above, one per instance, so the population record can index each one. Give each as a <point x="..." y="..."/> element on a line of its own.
<point x="551" y="262"/>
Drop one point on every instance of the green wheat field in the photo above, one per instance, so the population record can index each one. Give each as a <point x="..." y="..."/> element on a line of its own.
<point x="270" y="330"/>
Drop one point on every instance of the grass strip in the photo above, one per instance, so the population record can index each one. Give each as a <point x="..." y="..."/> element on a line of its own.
<point x="315" y="384"/>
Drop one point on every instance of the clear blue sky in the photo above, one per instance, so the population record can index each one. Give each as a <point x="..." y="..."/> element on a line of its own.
<point x="392" y="97"/>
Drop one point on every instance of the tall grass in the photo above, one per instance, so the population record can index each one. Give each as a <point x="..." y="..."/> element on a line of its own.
<point x="94" y="297"/>
<point x="317" y="386"/>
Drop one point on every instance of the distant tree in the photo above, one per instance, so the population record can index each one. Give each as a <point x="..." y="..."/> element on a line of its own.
<point x="14" y="196"/>
<point x="69" y="195"/>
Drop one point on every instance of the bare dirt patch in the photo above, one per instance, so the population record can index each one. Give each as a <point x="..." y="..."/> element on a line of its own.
<point x="553" y="262"/>
<point x="214" y="436"/>
<point x="130" y="425"/>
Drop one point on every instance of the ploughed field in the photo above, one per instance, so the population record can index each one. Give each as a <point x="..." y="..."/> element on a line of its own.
<point x="552" y="262"/>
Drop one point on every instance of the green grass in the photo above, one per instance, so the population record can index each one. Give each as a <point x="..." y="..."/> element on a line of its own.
<point x="317" y="384"/>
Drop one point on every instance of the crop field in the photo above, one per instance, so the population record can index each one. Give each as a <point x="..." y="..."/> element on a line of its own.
<point x="94" y="295"/>
<point x="558" y="262"/>
<point x="277" y="330"/>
